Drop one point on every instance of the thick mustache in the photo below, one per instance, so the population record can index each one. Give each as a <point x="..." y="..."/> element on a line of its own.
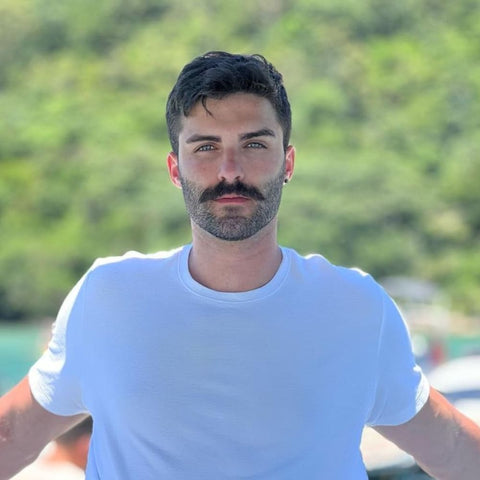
<point x="224" y="188"/>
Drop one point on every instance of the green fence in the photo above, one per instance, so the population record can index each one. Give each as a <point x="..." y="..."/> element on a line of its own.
<point x="20" y="346"/>
<point x="466" y="345"/>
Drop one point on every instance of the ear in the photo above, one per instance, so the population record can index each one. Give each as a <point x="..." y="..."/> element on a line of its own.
<point x="289" y="162"/>
<point x="172" y="164"/>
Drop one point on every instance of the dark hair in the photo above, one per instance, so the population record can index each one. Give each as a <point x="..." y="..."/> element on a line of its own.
<point x="72" y="435"/>
<point x="218" y="74"/>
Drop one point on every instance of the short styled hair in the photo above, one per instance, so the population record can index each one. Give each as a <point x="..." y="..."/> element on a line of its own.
<point x="218" y="74"/>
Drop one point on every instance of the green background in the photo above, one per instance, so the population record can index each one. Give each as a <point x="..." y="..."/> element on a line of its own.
<point x="386" y="102"/>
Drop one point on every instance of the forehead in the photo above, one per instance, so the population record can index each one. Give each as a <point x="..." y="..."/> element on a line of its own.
<point x="242" y="111"/>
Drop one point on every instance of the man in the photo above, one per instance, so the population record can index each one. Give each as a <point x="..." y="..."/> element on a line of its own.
<point x="232" y="357"/>
<point x="64" y="459"/>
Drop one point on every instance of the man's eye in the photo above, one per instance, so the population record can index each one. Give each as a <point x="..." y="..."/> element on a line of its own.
<point x="205" y="148"/>
<point x="255" y="145"/>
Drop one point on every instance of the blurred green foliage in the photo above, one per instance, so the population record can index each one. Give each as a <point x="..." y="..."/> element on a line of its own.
<point x="386" y="108"/>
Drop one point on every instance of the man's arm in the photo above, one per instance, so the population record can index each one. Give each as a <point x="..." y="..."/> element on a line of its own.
<point x="445" y="443"/>
<point x="25" y="428"/>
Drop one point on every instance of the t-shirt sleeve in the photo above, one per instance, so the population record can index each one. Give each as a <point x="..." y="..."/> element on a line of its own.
<point x="56" y="378"/>
<point x="401" y="387"/>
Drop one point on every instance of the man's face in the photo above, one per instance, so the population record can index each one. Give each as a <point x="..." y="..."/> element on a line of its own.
<point x="231" y="165"/>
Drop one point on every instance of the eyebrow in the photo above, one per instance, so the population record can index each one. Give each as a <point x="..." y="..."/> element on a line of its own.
<point x="202" y="138"/>
<point x="264" y="132"/>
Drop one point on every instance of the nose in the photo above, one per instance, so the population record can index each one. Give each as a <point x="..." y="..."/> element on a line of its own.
<point x="230" y="169"/>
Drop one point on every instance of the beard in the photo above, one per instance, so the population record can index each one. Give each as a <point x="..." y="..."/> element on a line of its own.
<point x="231" y="225"/>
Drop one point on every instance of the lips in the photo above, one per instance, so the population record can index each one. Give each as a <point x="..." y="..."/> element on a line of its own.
<point x="232" y="199"/>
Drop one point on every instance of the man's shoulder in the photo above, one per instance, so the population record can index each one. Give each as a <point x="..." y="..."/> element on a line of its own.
<point x="316" y="268"/>
<point x="132" y="258"/>
<point x="335" y="289"/>
<point x="318" y="263"/>
<point x="132" y="265"/>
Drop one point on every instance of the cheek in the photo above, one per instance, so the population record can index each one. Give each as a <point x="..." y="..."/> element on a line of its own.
<point x="191" y="191"/>
<point x="196" y="169"/>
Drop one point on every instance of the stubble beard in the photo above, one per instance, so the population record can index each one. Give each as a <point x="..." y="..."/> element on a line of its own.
<point x="231" y="225"/>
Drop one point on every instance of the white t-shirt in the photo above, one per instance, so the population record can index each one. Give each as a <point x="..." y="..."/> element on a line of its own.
<point x="43" y="469"/>
<point x="184" y="382"/>
<point x="49" y="471"/>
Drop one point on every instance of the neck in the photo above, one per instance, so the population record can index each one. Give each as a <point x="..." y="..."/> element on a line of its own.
<point x="235" y="266"/>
